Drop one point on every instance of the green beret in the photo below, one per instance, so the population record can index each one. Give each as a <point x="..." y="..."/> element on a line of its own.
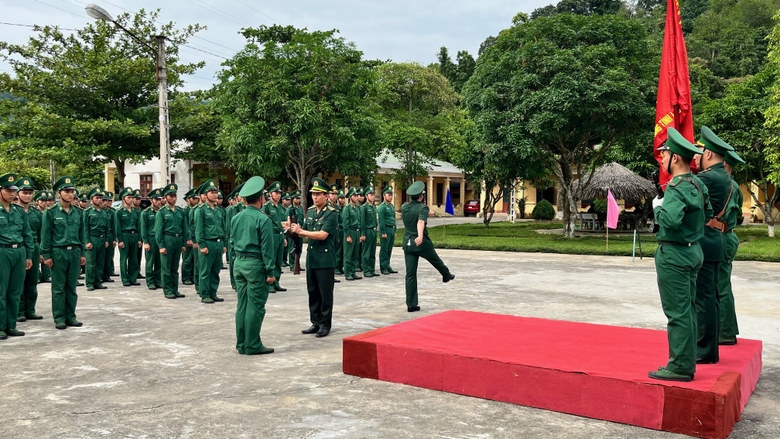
<point x="713" y="142"/>
<point x="9" y="181"/>
<point x="676" y="143"/>
<point x="170" y="189"/>
<point x="334" y="189"/>
<point x="369" y="190"/>
<point x="208" y="186"/>
<point x="156" y="193"/>
<point x="319" y="185"/>
<point x="387" y="190"/>
<point x="252" y="187"/>
<point x="275" y="187"/>
<point x="286" y="196"/>
<point x="65" y="182"/>
<point x="733" y="159"/>
<point x="417" y="188"/>
<point x="26" y="184"/>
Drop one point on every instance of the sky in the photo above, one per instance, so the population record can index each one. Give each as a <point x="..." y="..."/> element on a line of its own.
<point x="397" y="30"/>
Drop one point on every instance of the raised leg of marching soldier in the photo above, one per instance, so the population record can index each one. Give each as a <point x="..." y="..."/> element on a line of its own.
<point x="170" y="266"/>
<point x="728" y="315"/>
<point x="153" y="266"/>
<point x="412" y="260"/>
<point x="707" y="313"/>
<point x="210" y="265"/>
<point x="386" y="251"/>
<point x="95" y="260"/>
<point x="368" y="259"/>
<point x="30" y="293"/>
<point x="188" y="267"/>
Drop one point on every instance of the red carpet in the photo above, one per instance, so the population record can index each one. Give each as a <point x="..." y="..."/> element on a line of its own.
<point x="584" y="369"/>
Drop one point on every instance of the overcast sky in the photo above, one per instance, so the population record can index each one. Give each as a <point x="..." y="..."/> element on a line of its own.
<point x="398" y="30"/>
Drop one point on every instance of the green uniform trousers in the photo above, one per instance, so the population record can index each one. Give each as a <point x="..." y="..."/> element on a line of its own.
<point x="676" y="270"/>
<point x="187" y="266"/>
<point x="45" y="273"/>
<point x="351" y="252"/>
<point x="368" y="260"/>
<point x="728" y="315"/>
<point x="153" y="264"/>
<point x="12" y="268"/>
<point x="64" y="277"/>
<point x="290" y="256"/>
<point x="129" y="267"/>
<point x="30" y="294"/>
<point x="707" y="312"/>
<point x="139" y="256"/>
<point x="412" y="260"/>
<point x="279" y="256"/>
<point x="319" y="284"/>
<point x="340" y="252"/>
<point x="251" y="293"/>
<point x="209" y="266"/>
<point x="108" y="261"/>
<point x="231" y="266"/>
<point x="170" y="265"/>
<point x="96" y="258"/>
<point x="386" y="250"/>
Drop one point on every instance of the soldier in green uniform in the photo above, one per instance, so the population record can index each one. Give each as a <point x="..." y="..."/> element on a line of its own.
<point x="286" y="202"/>
<point x="417" y="244"/>
<point x="29" y="296"/>
<point x="43" y="204"/>
<point x="333" y="201"/>
<point x="339" y="205"/>
<point x="210" y="237"/>
<point x="296" y="207"/>
<point x="728" y="315"/>
<point x="187" y="264"/>
<point x="255" y="261"/>
<point x="195" y="247"/>
<point x="126" y="229"/>
<point x="386" y="214"/>
<point x="16" y="252"/>
<point x="96" y="233"/>
<point x="63" y="246"/>
<point x="713" y="174"/>
<point x="237" y="207"/>
<point x="83" y="201"/>
<point x="351" y="223"/>
<point x="221" y="207"/>
<point x="368" y="233"/>
<point x="275" y="211"/>
<point x="361" y="200"/>
<point x="171" y="232"/>
<point x="137" y="207"/>
<point x="108" y="262"/>
<point x="680" y="215"/>
<point x="153" y="261"/>
<point x="320" y="228"/>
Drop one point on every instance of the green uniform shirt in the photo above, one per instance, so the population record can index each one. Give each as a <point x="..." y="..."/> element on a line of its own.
<point x="298" y="212"/>
<point x="718" y="184"/>
<point x="62" y="229"/>
<point x="15" y="228"/>
<point x="338" y="209"/>
<point x="321" y="254"/>
<point x="277" y="214"/>
<point x="209" y="224"/>
<point x="170" y="222"/>
<point x="251" y="233"/>
<point x="734" y="210"/>
<point x="110" y="211"/>
<point x="386" y="214"/>
<point x="96" y="225"/>
<point x="148" y="217"/>
<point x="34" y="218"/>
<point x="681" y="217"/>
<point x="191" y="219"/>
<point x="351" y="217"/>
<point x="412" y="212"/>
<point x="126" y="220"/>
<point x="368" y="215"/>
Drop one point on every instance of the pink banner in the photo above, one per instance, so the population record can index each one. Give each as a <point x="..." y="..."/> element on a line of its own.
<point x="613" y="211"/>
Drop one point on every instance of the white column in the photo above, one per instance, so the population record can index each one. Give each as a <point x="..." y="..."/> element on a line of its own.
<point x="430" y="192"/>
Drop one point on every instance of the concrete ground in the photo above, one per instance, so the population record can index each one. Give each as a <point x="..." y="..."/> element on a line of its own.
<point x="144" y="366"/>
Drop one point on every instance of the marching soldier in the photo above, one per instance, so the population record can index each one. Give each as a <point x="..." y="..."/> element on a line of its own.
<point x="63" y="249"/>
<point x="368" y="235"/>
<point x="16" y="252"/>
<point x="172" y="233"/>
<point x="29" y="296"/>
<point x="728" y="316"/>
<point x="210" y="237"/>
<point x="126" y="227"/>
<point x="386" y="214"/>
<point x="255" y="262"/>
<point x="96" y="224"/>
<point x="187" y="264"/>
<point x="43" y="204"/>
<point x="153" y="261"/>
<point x="296" y="207"/>
<point x="275" y="211"/>
<point x="108" y="262"/>
<point x="417" y="244"/>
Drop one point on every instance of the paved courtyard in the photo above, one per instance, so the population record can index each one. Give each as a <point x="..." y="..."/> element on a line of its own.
<point x="143" y="366"/>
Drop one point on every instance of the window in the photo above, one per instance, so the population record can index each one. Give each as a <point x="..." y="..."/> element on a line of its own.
<point x="439" y="193"/>
<point x="173" y="177"/>
<point x="547" y="194"/>
<point x="455" y="192"/>
<point x="146" y="185"/>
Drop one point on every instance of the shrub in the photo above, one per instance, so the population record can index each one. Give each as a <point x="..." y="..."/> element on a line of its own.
<point x="543" y="211"/>
<point x="600" y="206"/>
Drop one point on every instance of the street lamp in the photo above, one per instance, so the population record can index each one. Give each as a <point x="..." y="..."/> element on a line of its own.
<point x="99" y="13"/>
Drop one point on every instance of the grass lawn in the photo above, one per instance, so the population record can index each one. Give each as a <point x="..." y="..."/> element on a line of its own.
<point x="523" y="237"/>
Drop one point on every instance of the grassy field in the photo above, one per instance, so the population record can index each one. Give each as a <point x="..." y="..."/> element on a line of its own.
<point x="523" y="237"/>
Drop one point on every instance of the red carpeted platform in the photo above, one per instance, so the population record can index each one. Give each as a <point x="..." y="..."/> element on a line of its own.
<point x="584" y="369"/>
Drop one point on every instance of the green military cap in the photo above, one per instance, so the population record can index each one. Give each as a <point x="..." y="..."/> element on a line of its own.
<point x="26" y="184"/>
<point x="252" y="187"/>
<point x="275" y="187"/>
<point x="286" y="196"/>
<point x="418" y="188"/>
<point x="155" y="193"/>
<point x="109" y="195"/>
<point x="387" y="190"/>
<point x="334" y="188"/>
<point x="9" y="181"/>
<point x="237" y="191"/>
<point x="219" y="195"/>
<point x="319" y="185"/>
<point x="128" y="191"/>
<point x="38" y="195"/>
<point x="676" y="143"/>
<point x="208" y="186"/>
<point x="137" y="193"/>
<point x="296" y="194"/>
<point x="187" y="195"/>
<point x="170" y="189"/>
<point x="359" y="190"/>
<point x="65" y="182"/>
<point x="369" y="190"/>
<point x="95" y="191"/>
<point x="341" y="193"/>
<point x="714" y="143"/>
<point x="352" y="191"/>
<point x="83" y="197"/>
<point x="733" y="159"/>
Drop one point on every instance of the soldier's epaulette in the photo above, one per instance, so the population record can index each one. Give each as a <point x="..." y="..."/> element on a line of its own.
<point x="310" y="208"/>
<point x="331" y="208"/>
<point x="53" y="206"/>
<point x="675" y="181"/>
<point x="704" y="171"/>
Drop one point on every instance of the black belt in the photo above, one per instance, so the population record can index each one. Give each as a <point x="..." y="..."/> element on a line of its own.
<point x="177" y="235"/>
<point x="215" y="240"/>
<point x="132" y="232"/>
<point x="356" y="229"/>
<point x="66" y="247"/>
<point x="677" y="244"/>
<point x="248" y="256"/>
<point x="11" y="245"/>
<point x="93" y="235"/>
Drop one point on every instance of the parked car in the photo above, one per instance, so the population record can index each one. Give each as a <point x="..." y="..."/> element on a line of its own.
<point x="471" y="208"/>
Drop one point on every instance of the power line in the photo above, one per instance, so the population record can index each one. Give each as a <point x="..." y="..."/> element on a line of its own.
<point x="55" y="7"/>
<point x="204" y="51"/>
<point x="261" y="13"/>
<point x="34" y="25"/>
<point x="210" y="8"/>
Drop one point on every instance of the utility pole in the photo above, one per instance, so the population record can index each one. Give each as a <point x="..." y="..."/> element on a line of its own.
<point x="165" y="145"/>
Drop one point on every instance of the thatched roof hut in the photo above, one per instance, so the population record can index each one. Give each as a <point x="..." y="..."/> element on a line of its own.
<point x="624" y="184"/>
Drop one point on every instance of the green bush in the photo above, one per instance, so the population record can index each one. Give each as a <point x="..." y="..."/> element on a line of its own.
<point x="543" y="211"/>
<point x="600" y="206"/>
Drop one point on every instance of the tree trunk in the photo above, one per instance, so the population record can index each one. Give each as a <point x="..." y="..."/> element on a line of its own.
<point x="767" y="207"/>
<point x="120" y="169"/>
<point x="564" y="175"/>
<point x="489" y="207"/>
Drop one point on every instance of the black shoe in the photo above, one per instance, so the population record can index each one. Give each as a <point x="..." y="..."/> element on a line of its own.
<point x="3" y="335"/>
<point x="323" y="332"/>
<point x="141" y="276"/>
<point x="279" y="288"/>
<point x="21" y="319"/>
<point x="61" y="326"/>
<point x="34" y="317"/>
<point x="114" y="275"/>
<point x="375" y="274"/>
<point x="152" y="288"/>
<point x="312" y="330"/>
<point x="45" y="281"/>
<point x="187" y="282"/>
<point x="413" y="308"/>
<point x="217" y="299"/>
<point x="336" y="281"/>
<point x="727" y="341"/>
<point x="385" y="273"/>
<point x="125" y="285"/>
<point x="108" y="280"/>
<point x="80" y="284"/>
<point x="14" y="333"/>
<point x="75" y="323"/>
<point x="135" y="284"/>
<point x="447" y="277"/>
<point x="90" y="289"/>
<point x="101" y="287"/>
<point x="170" y="296"/>
<point x="350" y="278"/>
<point x="179" y="295"/>
<point x="703" y="361"/>
<point x="367" y="274"/>
<point x="391" y="271"/>
<point x="264" y="350"/>
<point x="358" y="277"/>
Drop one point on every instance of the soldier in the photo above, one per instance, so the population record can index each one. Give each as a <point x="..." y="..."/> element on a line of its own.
<point x="333" y="201"/>
<point x="16" y="252"/>
<point x="320" y="227"/>
<point x="153" y="261"/>
<point x="63" y="246"/>
<point x="29" y="296"/>
<point x="236" y="208"/>
<point x="96" y="225"/>
<point x="368" y="233"/>
<point x="351" y="223"/>
<point x="286" y="201"/>
<point x="126" y="227"/>
<point x="296" y="207"/>
<point x="83" y="200"/>
<point x="187" y="265"/>
<point x="274" y="211"/>
<point x="342" y="204"/>
<point x="195" y="246"/>
<point x="728" y="316"/>
<point x="210" y="237"/>
<point x="171" y="232"/>
<point x="361" y="200"/>
<point x="137" y="207"/>
<point x="108" y="262"/>
<point x="680" y="215"/>
<point x="386" y="214"/>
<point x="220" y="206"/>
<point x="255" y="262"/>
<point x="417" y="244"/>
<point x="43" y="204"/>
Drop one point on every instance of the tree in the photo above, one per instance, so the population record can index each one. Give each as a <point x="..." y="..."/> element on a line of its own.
<point x="298" y="102"/>
<point x="458" y="73"/>
<point x="561" y="90"/>
<point x="92" y="94"/>
<point x="580" y="7"/>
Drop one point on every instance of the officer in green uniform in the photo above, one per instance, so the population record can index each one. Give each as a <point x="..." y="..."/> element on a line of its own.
<point x="63" y="246"/>
<point x="43" y="204"/>
<point x="368" y="233"/>
<point x="96" y="233"/>
<point x="386" y="214"/>
<point x="728" y="315"/>
<point x="231" y="212"/>
<point x="137" y="207"/>
<point x="275" y="211"/>
<point x="220" y="206"/>
<point x="255" y="261"/>
<point x="351" y="223"/>
<point x="680" y="215"/>
<point x="16" y="252"/>
<point x="320" y="228"/>
<point x="29" y="296"/>
<point x="417" y="244"/>
<point x="187" y="264"/>
<point x="126" y="229"/>
<point x="296" y="207"/>
<point x="286" y="203"/>
<point x="195" y="249"/>
<point x="713" y="174"/>
<point x="108" y="262"/>
<point x="210" y="237"/>
<point x="171" y="232"/>
<point x="153" y="261"/>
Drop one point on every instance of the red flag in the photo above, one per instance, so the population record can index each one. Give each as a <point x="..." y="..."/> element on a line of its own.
<point x="673" y="105"/>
